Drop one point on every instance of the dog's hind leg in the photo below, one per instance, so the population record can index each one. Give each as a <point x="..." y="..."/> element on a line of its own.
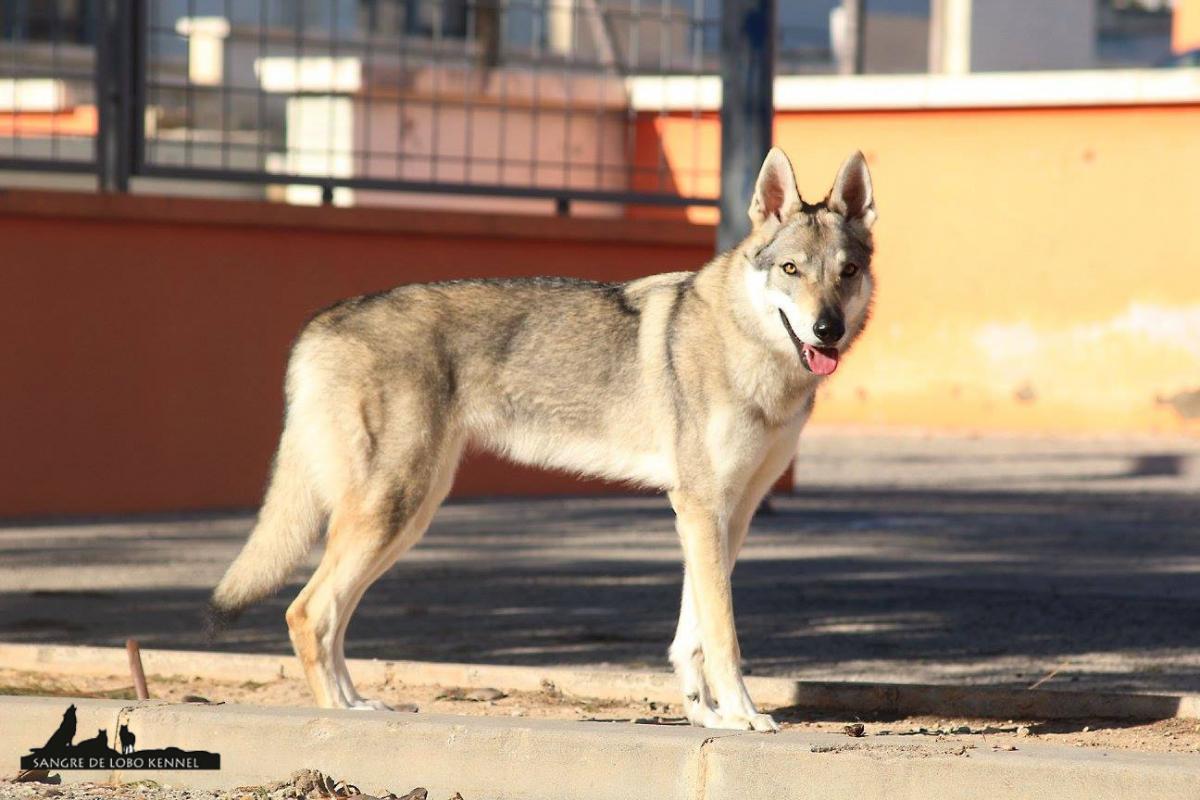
<point x="357" y="542"/>
<point x="404" y="539"/>
<point x="370" y="528"/>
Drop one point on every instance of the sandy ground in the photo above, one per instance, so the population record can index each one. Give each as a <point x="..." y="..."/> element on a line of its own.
<point x="1160" y="736"/>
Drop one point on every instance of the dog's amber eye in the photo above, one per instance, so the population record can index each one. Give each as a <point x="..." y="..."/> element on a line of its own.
<point x="789" y="268"/>
<point x="850" y="270"/>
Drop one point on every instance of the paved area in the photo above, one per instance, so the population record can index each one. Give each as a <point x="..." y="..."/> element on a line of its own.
<point x="971" y="560"/>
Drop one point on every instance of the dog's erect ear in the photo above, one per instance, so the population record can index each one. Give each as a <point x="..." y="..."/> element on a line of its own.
<point x="852" y="196"/>
<point x="775" y="192"/>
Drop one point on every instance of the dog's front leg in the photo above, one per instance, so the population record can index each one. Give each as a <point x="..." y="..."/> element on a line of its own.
<point x="702" y="533"/>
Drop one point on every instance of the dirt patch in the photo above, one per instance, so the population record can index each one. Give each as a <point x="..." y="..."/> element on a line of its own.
<point x="958" y="736"/>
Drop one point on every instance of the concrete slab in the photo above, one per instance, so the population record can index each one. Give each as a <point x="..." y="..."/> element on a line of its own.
<point x="826" y="767"/>
<point x="549" y="760"/>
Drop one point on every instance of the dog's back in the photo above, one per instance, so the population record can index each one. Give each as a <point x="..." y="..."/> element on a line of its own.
<point x="534" y="369"/>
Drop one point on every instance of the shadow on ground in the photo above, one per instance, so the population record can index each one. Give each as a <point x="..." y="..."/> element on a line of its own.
<point x="840" y="584"/>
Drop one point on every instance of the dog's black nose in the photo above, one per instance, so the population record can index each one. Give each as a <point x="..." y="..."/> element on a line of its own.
<point x="829" y="329"/>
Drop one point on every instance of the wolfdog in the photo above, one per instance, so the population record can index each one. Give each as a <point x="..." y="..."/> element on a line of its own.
<point x="693" y="383"/>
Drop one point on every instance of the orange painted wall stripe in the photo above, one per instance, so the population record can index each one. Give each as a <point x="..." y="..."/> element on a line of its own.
<point x="81" y="121"/>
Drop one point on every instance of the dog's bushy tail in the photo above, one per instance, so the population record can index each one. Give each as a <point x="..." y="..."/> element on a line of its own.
<point x="288" y="524"/>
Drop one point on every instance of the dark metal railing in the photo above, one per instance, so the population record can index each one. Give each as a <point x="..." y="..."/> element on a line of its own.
<point x="320" y="98"/>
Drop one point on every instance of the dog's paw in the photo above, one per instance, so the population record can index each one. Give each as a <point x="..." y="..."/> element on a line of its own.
<point x="698" y="711"/>
<point x="370" y="705"/>
<point x="702" y="716"/>
<point x="763" y="723"/>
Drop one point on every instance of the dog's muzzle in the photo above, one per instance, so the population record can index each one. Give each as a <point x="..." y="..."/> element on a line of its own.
<point x="817" y="360"/>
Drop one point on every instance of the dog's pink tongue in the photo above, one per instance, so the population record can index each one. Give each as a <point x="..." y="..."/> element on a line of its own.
<point x="821" y="360"/>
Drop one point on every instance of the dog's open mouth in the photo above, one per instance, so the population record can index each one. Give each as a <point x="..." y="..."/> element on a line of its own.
<point x="817" y="360"/>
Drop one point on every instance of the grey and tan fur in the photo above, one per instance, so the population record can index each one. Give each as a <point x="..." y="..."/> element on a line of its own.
<point x="696" y="383"/>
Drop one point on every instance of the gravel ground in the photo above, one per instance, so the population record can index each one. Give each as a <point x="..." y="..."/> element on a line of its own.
<point x="303" y="785"/>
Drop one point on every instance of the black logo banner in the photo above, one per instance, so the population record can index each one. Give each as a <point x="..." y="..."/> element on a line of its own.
<point x="61" y="751"/>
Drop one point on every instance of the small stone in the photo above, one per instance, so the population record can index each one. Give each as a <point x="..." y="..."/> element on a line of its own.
<point x="855" y="729"/>
<point x="482" y="694"/>
<point x="962" y="729"/>
<point x="1087" y="728"/>
<point x="194" y="698"/>
<point x="517" y="712"/>
<point x="1024" y="731"/>
<point x="408" y="708"/>
<point x="33" y="776"/>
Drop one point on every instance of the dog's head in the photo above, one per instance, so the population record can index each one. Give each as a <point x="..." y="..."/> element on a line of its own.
<point x="807" y="267"/>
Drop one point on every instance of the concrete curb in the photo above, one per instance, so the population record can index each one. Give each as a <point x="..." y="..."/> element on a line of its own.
<point x="551" y="760"/>
<point x="849" y="698"/>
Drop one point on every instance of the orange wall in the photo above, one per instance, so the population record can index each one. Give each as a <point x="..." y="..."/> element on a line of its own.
<point x="1037" y="269"/>
<point x="145" y="338"/>
<point x="1185" y="29"/>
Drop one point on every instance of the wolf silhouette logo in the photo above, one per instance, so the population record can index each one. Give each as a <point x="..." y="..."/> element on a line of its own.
<point x="128" y="740"/>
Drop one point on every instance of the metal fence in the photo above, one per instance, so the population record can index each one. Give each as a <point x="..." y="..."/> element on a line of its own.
<point x="503" y="97"/>
<point x="319" y="99"/>
<point x="325" y="97"/>
<point x="48" y="109"/>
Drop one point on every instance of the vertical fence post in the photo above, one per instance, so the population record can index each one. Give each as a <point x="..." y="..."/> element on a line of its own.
<point x="852" y="59"/>
<point x="114" y="101"/>
<point x="747" y="107"/>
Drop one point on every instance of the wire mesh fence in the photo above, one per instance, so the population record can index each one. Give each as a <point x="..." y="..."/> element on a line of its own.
<point x="47" y="85"/>
<point x="338" y="100"/>
<point x="513" y="97"/>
